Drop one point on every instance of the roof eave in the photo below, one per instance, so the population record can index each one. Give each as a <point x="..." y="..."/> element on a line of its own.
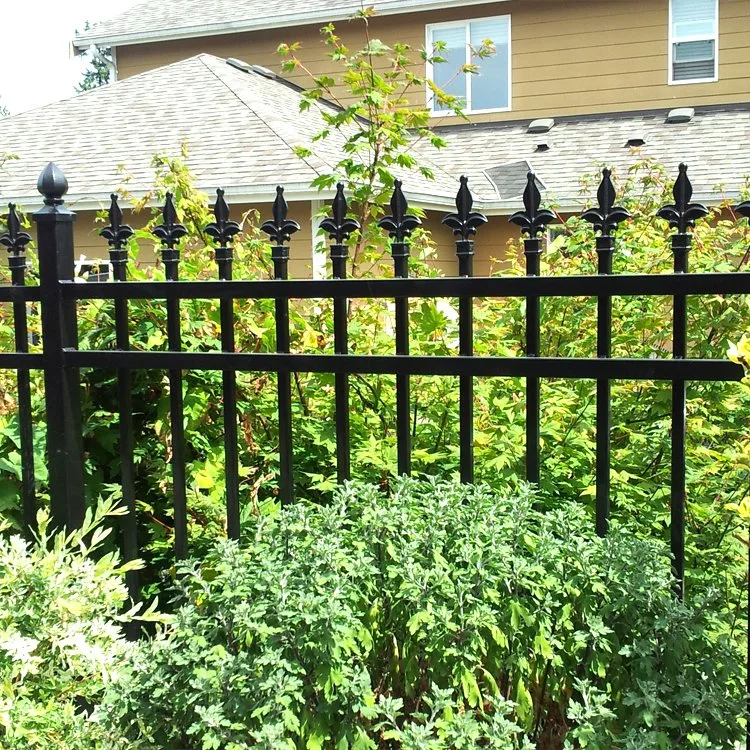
<point x="83" y="42"/>
<point x="301" y="192"/>
<point x="237" y="195"/>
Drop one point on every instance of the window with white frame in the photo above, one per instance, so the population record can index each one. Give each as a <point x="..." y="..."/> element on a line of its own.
<point x="693" y="40"/>
<point x="489" y="88"/>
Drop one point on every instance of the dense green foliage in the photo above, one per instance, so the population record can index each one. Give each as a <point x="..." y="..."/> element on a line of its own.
<point x="718" y="459"/>
<point x="398" y="614"/>
<point x="61" y="605"/>
<point x="434" y="616"/>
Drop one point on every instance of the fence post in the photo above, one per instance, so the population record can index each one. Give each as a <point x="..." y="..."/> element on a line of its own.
<point x="60" y="331"/>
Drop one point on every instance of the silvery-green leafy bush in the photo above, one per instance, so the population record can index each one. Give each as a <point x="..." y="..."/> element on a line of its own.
<point x="61" y="609"/>
<point x="436" y="616"/>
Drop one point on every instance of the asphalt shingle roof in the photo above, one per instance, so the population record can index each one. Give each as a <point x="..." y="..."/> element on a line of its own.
<point x="714" y="144"/>
<point x="241" y="128"/>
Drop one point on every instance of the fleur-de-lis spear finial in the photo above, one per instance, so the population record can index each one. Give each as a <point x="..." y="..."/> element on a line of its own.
<point x="682" y="214"/>
<point x="399" y="224"/>
<point x="222" y="230"/>
<point x="14" y="239"/>
<point x="280" y="230"/>
<point x="464" y="222"/>
<point x="339" y="229"/>
<point x="117" y="234"/>
<point x="607" y="216"/>
<point x="170" y="232"/>
<point x="338" y="226"/>
<point x="532" y="219"/>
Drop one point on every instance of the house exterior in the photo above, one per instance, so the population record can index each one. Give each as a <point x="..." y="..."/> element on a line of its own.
<point x="571" y="85"/>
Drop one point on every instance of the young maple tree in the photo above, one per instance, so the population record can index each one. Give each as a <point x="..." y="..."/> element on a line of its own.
<point x="375" y="92"/>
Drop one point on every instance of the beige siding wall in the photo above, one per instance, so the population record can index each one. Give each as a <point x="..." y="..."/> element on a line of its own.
<point x="572" y="57"/>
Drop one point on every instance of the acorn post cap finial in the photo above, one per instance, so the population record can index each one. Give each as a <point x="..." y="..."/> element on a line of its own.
<point x="52" y="184"/>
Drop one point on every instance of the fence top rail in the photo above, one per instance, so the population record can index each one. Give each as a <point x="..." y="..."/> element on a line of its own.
<point x="477" y="286"/>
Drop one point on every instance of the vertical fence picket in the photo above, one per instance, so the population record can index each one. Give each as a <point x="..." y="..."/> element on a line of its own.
<point x="60" y="331"/>
<point x="681" y="216"/>
<point x="743" y="209"/>
<point x="339" y="228"/>
<point x="280" y="230"/>
<point x="117" y="235"/>
<point x="532" y="221"/>
<point x="464" y="223"/>
<point x="170" y="232"/>
<point x="399" y="225"/>
<point x="222" y="230"/>
<point x="15" y="240"/>
<point x="605" y="219"/>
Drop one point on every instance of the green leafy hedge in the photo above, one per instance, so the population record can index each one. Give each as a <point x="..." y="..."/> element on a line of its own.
<point x="61" y="605"/>
<point x="436" y="616"/>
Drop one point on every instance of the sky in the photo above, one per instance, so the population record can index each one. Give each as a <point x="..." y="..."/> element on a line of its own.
<point x="36" y="66"/>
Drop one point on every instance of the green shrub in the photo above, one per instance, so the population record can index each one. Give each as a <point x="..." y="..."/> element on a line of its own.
<point x="61" y="604"/>
<point x="437" y="616"/>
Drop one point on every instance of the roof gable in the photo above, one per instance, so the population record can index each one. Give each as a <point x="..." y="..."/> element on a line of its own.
<point x="241" y="128"/>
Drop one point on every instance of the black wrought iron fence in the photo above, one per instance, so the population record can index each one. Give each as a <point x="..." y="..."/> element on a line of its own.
<point x="61" y="358"/>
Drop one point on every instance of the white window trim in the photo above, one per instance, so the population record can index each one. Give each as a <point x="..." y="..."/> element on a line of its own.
<point x="693" y="38"/>
<point x="430" y="27"/>
<point x="318" y="249"/>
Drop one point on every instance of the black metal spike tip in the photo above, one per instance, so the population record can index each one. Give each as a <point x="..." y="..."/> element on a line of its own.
<point x="116" y="233"/>
<point x="464" y="222"/>
<point x="222" y="230"/>
<point x="400" y="224"/>
<point x="682" y="214"/>
<point x="532" y="219"/>
<point x="607" y="216"/>
<point x="170" y="232"/>
<point x="14" y="239"/>
<point x="280" y="229"/>
<point x="338" y="226"/>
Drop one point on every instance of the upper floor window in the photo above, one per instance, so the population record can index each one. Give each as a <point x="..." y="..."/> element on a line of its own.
<point x="485" y="91"/>
<point x="693" y="40"/>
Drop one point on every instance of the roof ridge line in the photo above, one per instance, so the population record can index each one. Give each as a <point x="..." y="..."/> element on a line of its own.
<point x="263" y="118"/>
